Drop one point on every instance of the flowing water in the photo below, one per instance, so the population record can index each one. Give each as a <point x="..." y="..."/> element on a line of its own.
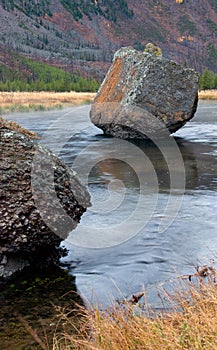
<point x="152" y="219"/>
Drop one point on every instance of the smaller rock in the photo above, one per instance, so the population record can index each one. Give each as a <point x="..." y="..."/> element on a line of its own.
<point x="41" y="201"/>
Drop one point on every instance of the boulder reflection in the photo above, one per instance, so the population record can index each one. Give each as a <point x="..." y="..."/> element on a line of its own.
<point x="37" y="299"/>
<point x="199" y="161"/>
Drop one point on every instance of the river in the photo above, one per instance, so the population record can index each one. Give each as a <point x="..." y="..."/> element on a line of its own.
<point x="143" y="229"/>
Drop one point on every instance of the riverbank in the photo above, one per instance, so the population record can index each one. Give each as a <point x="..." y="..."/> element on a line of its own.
<point x="36" y="101"/>
<point x="191" y="325"/>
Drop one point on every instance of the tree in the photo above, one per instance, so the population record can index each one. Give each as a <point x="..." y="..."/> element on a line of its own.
<point x="215" y="82"/>
<point x="207" y="80"/>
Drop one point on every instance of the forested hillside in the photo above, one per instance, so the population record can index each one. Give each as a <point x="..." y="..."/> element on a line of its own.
<point x="81" y="36"/>
<point x="29" y="75"/>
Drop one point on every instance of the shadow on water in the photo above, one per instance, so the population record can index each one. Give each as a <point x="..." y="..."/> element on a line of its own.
<point x="36" y="299"/>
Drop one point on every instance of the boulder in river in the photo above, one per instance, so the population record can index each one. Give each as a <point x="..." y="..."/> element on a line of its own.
<point x="142" y="95"/>
<point x="41" y="200"/>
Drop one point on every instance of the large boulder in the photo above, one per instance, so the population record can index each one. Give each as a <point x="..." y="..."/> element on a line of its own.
<point x="41" y="201"/>
<point x="142" y="94"/>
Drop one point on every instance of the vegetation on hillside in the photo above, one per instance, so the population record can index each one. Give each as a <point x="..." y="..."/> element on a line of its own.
<point x="212" y="53"/>
<point x="36" y="8"/>
<point x="213" y="3"/>
<point x="47" y="30"/>
<point x="109" y="9"/>
<point x="29" y="75"/>
<point x="186" y="26"/>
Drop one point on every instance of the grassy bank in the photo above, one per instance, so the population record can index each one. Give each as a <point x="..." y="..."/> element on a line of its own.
<point x="28" y="101"/>
<point x="194" y="326"/>
<point x="208" y="95"/>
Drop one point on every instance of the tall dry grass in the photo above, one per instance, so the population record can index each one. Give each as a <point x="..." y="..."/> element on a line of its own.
<point x="26" y="101"/>
<point x="193" y="326"/>
<point x="208" y="95"/>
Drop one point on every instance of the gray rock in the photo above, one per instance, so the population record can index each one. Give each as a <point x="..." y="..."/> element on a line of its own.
<point x="143" y="95"/>
<point x="41" y="201"/>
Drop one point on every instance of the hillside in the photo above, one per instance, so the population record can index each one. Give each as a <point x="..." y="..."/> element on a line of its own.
<point x="82" y="35"/>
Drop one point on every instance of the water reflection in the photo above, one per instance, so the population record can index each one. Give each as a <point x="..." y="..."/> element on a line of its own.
<point x="199" y="160"/>
<point x="200" y="164"/>
<point x="38" y="297"/>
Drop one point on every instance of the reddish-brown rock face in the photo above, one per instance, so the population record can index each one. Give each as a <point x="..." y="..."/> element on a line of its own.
<point x="143" y="94"/>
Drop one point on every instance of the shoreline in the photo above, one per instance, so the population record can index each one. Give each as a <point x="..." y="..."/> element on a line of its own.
<point x="42" y="101"/>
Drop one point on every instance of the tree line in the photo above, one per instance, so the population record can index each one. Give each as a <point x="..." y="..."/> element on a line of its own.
<point x="29" y="75"/>
<point x="82" y="85"/>
<point x="36" y="76"/>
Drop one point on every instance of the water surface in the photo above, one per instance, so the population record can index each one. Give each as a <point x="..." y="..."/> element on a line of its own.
<point x="140" y="254"/>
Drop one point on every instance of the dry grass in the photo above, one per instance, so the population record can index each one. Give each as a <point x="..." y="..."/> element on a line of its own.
<point x="194" y="326"/>
<point x="208" y="95"/>
<point x="25" y="101"/>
